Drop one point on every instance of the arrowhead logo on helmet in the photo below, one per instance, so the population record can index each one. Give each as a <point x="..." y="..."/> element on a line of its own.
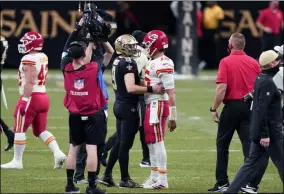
<point x="31" y="41"/>
<point x="155" y="40"/>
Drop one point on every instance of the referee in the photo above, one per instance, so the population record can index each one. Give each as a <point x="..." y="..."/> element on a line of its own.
<point x="236" y="76"/>
<point x="266" y="124"/>
<point x="86" y="117"/>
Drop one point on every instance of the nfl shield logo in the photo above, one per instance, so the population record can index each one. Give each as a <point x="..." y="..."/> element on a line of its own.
<point x="79" y="84"/>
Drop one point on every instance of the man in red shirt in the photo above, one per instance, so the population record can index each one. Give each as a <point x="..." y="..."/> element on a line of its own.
<point x="270" y="22"/>
<point x="236" y="75"/>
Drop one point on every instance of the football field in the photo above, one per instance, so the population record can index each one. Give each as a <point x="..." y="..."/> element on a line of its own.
<point x="191" y="149"/>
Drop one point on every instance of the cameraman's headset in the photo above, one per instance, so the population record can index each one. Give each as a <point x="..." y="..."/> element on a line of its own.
<point x="69" y="51"/>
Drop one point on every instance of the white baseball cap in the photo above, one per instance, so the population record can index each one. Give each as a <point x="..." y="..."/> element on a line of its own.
<point x="279" y="49"/>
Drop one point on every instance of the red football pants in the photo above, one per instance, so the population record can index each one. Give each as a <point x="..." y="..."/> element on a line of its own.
<point x="156" y="132"/>
<point x="36" y="114"/>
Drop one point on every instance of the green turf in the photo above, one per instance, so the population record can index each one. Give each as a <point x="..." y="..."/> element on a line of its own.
<point x="191" y="155"/>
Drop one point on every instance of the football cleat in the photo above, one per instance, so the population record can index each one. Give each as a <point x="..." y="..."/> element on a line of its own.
<point x="12" y="165"/>
<point x="249" y="189"/>
<point x="95" y="190"/>
<point x="145" y="164"/>
<point x="129" y="183"/>
<point x="107" y="180"/>
<point x="219" y="188"/>
<point x="71" y="189"/>
<point x="59" y="160"/>
<point x="157" y="186"/>
<point x="149" y="181"/>
<point x="82" y="181"/>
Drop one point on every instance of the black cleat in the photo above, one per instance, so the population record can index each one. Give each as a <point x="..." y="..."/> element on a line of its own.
<point x="249" y="189"/>
<point x="219" y="188"/>
<point x="10" y="144"/>
<point x="71" y="189"/>
<point x="107" y="181"/>
<point x="145" y="164"/>
<point x="95" y="190"/>
<point x="129" y="183"/>
<point x="104" y="159"/>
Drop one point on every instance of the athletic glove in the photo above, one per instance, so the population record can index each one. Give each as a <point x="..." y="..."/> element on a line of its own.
<point x="23" y="106"/>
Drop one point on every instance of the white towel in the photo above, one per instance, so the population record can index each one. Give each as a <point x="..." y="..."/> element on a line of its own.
<point x="154" y="112"/>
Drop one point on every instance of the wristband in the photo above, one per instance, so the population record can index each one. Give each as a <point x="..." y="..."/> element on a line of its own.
<point x="149" y="89"/>
<point x="25" y="99"/>
<point x="211" y="110"/>
<point x="173" y="113"/>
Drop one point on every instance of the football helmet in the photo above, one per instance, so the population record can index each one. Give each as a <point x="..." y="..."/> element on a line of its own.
<point x="127" y="45"/>
<point x="31" y="41"/>
<point x="155" y="40"/>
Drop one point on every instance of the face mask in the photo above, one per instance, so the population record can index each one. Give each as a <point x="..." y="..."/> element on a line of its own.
<point x="275" y="69"/>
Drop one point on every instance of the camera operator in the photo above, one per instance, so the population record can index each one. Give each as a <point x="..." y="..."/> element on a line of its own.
<point x="103" y="61"/>
<point x="85" y="101"/>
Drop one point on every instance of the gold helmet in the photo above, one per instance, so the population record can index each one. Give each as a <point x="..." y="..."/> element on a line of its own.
<point x="126" y="45"/>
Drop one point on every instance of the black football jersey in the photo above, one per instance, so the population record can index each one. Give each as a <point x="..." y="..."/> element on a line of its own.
<point x="120" y="67"/>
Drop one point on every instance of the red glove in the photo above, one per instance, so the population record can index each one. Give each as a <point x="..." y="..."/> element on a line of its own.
<point x="23" y="105"/>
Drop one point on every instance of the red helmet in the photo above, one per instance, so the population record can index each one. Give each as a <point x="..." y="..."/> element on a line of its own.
<point x="155" y="40"/>
<point x="29" y="42"/>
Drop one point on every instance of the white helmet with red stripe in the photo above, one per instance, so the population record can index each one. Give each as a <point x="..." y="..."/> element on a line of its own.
<point x="31" y="41"/>
<point x="155" y="40"/>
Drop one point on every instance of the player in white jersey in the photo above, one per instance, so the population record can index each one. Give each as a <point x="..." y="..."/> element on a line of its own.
<point x="33" y="105"/>
<point x="159" y="107"/>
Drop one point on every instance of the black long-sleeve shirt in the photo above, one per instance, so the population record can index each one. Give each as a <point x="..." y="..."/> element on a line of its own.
<point x="267" y="116"/>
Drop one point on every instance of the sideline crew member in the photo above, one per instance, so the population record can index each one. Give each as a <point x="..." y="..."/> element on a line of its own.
<point x="266" y="123"/>
<point x="236" y="76"/>
<point x="84" y="100"/>
<point x="270" y="21"/>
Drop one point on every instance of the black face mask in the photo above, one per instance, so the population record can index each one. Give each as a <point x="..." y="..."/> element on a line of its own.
<point x="275" y="69"/>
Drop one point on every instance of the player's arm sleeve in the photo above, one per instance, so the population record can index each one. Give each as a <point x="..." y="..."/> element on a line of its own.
<point x="222" y="76"/>
<point x="70" y="39"/>
<point x="265" y="96"/>
<point x="166" y="74"/>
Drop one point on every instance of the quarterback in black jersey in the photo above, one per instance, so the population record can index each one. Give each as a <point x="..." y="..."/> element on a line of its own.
<point x="127" y="87"/>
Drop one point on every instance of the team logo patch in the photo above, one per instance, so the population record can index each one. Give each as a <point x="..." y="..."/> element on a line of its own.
<point x="79" y="84"/>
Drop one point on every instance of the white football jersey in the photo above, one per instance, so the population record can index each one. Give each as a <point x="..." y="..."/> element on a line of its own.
<point x="142" y="61"/>
<point x="153" y="75"/>
<point x="40" y="62"/>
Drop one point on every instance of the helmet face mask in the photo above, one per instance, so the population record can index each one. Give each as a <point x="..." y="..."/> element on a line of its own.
<point x="31" y="41"/>
<point x="126" y="45"/>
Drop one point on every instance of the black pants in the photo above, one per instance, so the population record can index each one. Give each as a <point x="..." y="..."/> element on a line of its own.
<point x="269" y="41"/>
<point x="210" y="54"/>
<point x="234" y="116"/>
<point x="257" y="158"/>
<point x="112" y="139"/>
<point x="127" y="121"/>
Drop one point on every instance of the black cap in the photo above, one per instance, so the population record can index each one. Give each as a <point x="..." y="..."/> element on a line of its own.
<point x="138" y="35"/>
<point x="76" y="50"/>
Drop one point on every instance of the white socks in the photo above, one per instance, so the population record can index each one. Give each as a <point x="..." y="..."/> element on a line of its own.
<point x="153" y="160"/>
<point x="158" y="159"/>
<point x="19" y="146"/>
<point x="50" y="141"/>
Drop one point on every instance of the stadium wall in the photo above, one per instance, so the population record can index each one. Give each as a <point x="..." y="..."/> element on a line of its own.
<point x="55" y="20"/>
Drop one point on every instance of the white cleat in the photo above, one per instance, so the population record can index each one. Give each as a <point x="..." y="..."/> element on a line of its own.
<point x="12" y="165"/>
<point x="149" y="181"/>
<point x="59" y="160"/>
<point x="157" y="186"/>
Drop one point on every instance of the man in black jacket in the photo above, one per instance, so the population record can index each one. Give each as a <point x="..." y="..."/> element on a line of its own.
<point x="266" y="123"/>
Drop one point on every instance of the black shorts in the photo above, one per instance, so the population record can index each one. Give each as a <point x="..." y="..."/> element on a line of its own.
<point x="89" y="129"/>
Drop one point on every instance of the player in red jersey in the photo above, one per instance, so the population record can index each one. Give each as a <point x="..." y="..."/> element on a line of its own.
<point x="159" y="107"/>
<point x="33" y="105"/>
